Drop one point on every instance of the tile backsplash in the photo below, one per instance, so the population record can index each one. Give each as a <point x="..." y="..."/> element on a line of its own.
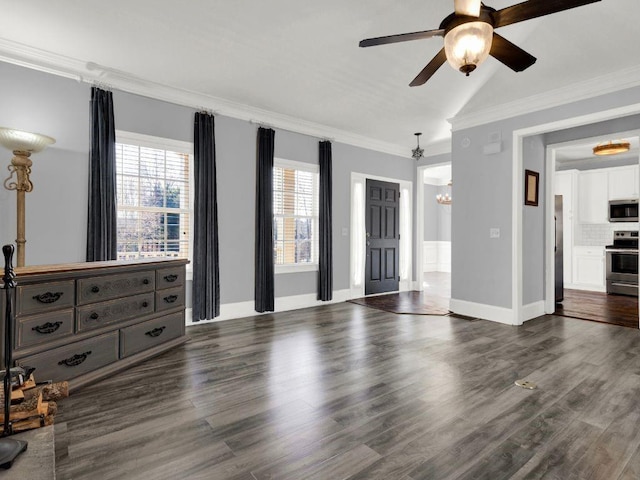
<point x="600" y="234"/>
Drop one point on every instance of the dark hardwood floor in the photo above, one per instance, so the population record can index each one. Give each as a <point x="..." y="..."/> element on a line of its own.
<point x="413" y="302"/>
<point x="600" y="307"/>
<point x="348" y="392"/>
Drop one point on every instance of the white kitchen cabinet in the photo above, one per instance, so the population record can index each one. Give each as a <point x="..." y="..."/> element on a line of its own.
<point x="623" y="182"/>
<point x="593" y="196"/>
<point x="589" y="268"/>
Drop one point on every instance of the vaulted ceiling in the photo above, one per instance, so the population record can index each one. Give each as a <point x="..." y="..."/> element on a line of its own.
<point x="301" y="59"/>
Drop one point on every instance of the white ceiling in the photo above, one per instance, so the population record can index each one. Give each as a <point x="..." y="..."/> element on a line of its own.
<point x="301" y="58"/>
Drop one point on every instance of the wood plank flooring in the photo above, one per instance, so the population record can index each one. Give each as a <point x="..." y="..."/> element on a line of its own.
<point x="412" y="302"/>
<point x="600" y="307"/>
<point x="348" y="392"/>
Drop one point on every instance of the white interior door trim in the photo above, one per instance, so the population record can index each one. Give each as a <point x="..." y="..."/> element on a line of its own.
<point x="517" y="201"/>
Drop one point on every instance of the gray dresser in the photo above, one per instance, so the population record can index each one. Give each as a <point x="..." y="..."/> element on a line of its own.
<point x="82" y="322"/>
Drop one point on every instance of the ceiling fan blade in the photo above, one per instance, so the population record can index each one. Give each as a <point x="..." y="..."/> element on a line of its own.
<point x="470" y="8"/>
<point x="431" y="68"/>
<point x="511" y="55"/>
<point x="532" y="9"/>
<point x="402" y="37"/>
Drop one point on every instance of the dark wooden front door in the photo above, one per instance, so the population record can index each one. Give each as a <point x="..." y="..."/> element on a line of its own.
<point x="383" y="237"/>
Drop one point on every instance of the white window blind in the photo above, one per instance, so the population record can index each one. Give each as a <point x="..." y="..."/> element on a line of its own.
<point x="295" y="213"/>
<point x="154" y="215"/>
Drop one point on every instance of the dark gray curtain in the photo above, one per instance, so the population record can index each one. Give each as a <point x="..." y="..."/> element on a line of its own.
<point x="206" y="272"/>
<point x="325" y="254"/>
<point x="102" y="222"/>
<point x="264" y="291"/>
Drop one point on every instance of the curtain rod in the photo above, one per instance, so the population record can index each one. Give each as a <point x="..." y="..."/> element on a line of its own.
<point x="267" y="125"/>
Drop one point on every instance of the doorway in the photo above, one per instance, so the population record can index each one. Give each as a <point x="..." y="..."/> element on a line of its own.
<point x="433" y="220"/>
<point x="587" y="183"/>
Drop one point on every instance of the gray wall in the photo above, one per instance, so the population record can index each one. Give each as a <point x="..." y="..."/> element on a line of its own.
<point x="481" y="267"/>
<point x="437" y="218"/>
<point x="56" y="209"/>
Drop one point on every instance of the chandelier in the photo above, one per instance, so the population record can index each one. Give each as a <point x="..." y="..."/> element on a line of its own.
<point x="446" y="198"/>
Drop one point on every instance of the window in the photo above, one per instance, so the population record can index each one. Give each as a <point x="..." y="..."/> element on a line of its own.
<point x="295" y="215"/>
<point x="153" y="197"/>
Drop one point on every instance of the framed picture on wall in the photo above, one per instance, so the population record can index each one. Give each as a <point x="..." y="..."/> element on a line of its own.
<point x="531" y="180"/>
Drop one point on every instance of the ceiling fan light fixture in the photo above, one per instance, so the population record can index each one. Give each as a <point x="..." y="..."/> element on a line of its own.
<point x="468" y="45"/>
<point x="611" y="148"/>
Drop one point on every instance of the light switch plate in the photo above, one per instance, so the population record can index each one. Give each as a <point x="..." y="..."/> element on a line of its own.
<point x="494" y="233"/>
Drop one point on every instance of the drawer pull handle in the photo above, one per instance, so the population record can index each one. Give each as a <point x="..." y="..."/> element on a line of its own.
<point x="48" y="297"/>
<point x="47" y="327"/>
<point x="94" y="316"/>
<point x="145" y="304"/>
<point x="145" y="281"/>
<point x="171" y="278"/>
<point x="95" y="289"/>
<point x="171" y="298"/>
<point x="76" y="360"/>
<point x="156" y="332"/>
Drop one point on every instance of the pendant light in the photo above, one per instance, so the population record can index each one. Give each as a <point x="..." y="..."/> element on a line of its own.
<point x="417" y="152"/>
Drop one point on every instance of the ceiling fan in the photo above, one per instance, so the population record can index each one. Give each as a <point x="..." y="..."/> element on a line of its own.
<point x="469" y="36"/>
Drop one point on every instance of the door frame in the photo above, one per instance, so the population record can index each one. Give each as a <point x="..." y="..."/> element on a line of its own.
<point x="418" y="284"/>
<point x="518" y="136"/>
<point x="358" y="239"/>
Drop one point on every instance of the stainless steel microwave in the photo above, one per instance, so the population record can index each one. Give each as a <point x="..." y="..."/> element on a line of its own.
<point x="623" y="210"/>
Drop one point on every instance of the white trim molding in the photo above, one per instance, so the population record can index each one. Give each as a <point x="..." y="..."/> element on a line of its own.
<point x="230" y="311"/>
<point x="533" y="310"/>
<point x="482" y="311"/>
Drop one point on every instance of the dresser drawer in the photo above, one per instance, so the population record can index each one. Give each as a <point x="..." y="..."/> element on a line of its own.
<point x="169" y="299"/>
<point x="97" y="315"/>
<point x="75" y="359"/>
<point x="137" y="338"/>
<point x="113" y="286"/>
<point x="170" y="277"/>
<point x="45" y="327"/>
<point x="44" y="297"/>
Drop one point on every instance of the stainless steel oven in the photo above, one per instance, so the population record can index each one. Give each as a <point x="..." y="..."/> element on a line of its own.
<point x="622" y="263"/>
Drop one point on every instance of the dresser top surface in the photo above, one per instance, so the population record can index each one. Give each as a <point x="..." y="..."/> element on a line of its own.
<point x="112" y="266"/>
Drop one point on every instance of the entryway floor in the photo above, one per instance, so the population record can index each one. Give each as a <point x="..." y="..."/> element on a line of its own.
<point x="433" y="300"/>
<point x="599" y="307"/>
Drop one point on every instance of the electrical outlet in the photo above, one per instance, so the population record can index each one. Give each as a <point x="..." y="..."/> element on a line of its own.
<point x="494" y="233"/>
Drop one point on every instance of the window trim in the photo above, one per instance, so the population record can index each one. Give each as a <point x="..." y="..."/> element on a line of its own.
<point x="167" y="144"/>
<point x="305" y="167"/>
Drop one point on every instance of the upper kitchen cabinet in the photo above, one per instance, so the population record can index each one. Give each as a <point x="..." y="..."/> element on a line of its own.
<point x="593" y="196"/>
<point x="623" y="183"/>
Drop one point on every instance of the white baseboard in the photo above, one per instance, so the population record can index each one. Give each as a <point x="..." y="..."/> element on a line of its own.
<point x="589" y="288"/>
<point x="480" y="310"/>
<point x="533" y="310"/>
<point x="229" y="311"/>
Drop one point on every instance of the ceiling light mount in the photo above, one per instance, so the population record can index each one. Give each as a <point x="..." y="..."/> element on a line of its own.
<point x="611" y="148"/>
<point x="417" y="153"/>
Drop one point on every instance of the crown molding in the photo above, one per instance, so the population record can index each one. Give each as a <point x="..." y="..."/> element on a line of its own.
<point x="595" y="87"/>
<point x="89" y="72"/>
